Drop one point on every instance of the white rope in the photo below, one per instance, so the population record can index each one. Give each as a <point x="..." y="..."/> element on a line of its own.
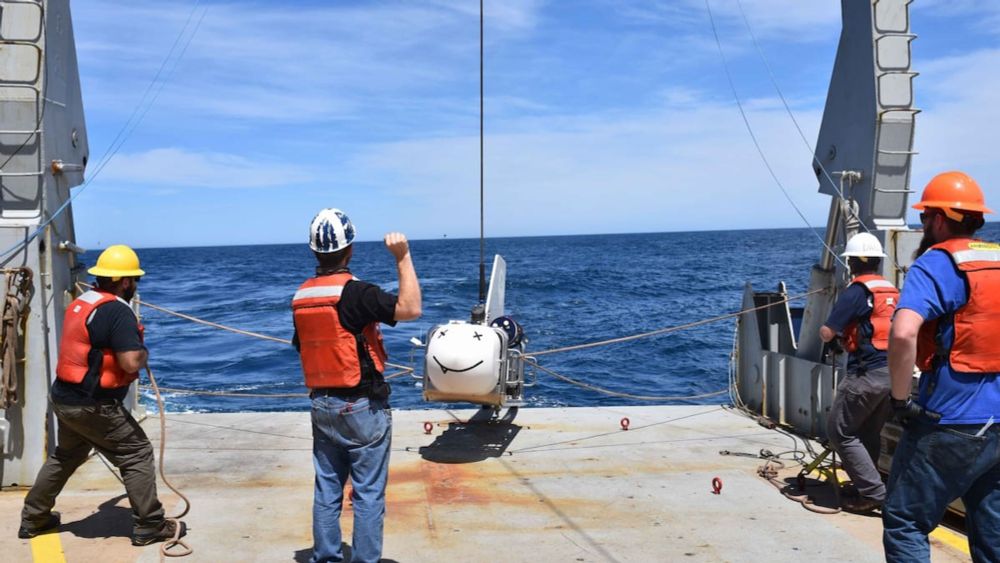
<point x="625" y="395"/>
<point x="674" y="328"/>
<point x="402" y="368"/>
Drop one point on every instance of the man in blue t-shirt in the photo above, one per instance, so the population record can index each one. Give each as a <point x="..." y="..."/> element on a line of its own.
<point x="946" y="324"/>
<point x="860" y="318"/>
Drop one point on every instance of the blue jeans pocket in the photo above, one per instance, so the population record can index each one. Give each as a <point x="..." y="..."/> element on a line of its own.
<point x="950" y="449"/>
<point x="362" y="422"/>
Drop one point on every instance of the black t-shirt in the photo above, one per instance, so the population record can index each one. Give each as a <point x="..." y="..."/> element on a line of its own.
<point x="112" y="325"/>
<point x="363" y="303"/>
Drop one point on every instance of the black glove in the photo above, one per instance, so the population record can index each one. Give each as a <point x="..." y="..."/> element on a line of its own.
<point x="906" y="411"/>
<point x="832" y="348"/>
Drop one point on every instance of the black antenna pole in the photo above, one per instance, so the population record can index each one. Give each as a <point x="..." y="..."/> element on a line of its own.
<point x="482" y="239"/>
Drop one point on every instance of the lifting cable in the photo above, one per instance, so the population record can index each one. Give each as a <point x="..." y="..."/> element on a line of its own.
<point x="482" y="167"/>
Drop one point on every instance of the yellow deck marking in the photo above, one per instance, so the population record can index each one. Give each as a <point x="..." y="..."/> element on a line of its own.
<point x="47" y="548"/>
<point x="951" y="539"/>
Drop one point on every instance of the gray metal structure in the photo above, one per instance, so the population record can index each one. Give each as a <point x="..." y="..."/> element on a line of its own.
<point x="862" y="161"/>
<point x="43" y="153"/>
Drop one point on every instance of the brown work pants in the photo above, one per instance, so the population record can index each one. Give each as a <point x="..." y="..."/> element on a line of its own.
<point x="111" y="430"/>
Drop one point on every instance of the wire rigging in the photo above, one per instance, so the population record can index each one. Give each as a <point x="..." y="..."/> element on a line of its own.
<point x="145" y="103"/>
<point x="753" y="137"/>
<point x="788" y="109"/>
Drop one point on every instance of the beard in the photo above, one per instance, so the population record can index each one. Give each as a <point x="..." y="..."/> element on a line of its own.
<point x="130" y="293"/>
<point x="926" y="242"/>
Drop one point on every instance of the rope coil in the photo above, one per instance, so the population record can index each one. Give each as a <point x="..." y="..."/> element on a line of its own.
<point x="175" y="541"/>
<point x="17" y="297"/>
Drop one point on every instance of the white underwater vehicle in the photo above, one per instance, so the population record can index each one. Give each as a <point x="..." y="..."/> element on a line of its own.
<point x="480" y="361"/>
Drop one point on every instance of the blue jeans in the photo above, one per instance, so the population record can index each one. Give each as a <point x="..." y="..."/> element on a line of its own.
<point x="933" y="465"/>
<point x="351" y="439"/>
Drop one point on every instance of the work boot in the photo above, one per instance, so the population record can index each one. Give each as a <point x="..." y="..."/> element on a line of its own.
<point x="862" y="505"/>
<point x="849" y="491"/>
<point x="163" y="533"/>
<point x="26" y="533"/>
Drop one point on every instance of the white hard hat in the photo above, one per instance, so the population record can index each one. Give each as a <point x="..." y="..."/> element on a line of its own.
<point x="331" y="230"/>
<point x="864" y="244"/>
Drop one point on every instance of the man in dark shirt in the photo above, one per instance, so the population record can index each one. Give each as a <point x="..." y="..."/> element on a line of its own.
<point x="861" y="318"/>
<point x="100" y="354"/>
<point x="336" y="320"/>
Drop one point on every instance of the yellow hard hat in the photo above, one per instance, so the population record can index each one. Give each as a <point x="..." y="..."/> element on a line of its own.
<point x="116" y="262"/>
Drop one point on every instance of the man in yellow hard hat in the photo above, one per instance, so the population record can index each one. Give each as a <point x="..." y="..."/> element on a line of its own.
<point x="100" y="354"/>
<point x="947" y="323"/>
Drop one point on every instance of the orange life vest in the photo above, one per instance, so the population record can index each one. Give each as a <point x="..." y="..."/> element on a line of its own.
<point x="974" y="346"/>
<point x="75" y="347"/>
<point x="884" y="299"/>
<point x="329" y="352"/>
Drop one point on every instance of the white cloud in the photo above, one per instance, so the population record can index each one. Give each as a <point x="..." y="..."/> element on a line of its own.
<point x="784" y="19"/>
<point x="960" y="125"/>
<point x="177" y="168"/>
<point x="618" y="120"/>
<point x="317" y="62"/>
<point x="507" y="15"/>
<point x="679" y="169"/>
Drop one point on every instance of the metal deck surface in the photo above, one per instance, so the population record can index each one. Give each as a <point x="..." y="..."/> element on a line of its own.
<point x="553" y="484"/>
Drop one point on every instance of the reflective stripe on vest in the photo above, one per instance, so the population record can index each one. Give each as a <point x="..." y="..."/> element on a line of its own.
<point x="328" y="351"/>
<point x="974" y="346"/>
<point x="75" y="347"/>
<point x="885" y="296"/>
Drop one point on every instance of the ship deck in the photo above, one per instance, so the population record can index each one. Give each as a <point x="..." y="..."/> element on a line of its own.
<point x="552" y="484"/>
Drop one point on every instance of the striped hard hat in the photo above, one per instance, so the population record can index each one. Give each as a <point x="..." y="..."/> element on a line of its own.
<point x="331" y="230"/>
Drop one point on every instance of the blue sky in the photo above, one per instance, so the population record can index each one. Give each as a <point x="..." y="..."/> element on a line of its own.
<point x="602" y="116"/>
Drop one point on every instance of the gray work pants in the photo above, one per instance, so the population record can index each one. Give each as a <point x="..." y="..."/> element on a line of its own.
<point x="859" y="410"/>
<point x="111" y="430"/>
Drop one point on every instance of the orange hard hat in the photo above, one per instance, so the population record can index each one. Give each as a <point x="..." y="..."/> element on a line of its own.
<point x="953" y="191"/>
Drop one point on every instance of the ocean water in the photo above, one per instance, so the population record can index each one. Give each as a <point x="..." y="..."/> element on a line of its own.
<point x="563" y="290"/>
